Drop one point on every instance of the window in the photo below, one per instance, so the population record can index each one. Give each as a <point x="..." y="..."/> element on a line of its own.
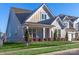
<point x="43" y="16"/>
<point x="65" y="24"/>
<point x="77" y="26"/>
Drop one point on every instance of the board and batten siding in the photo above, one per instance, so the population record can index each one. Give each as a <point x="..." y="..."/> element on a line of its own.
<point x="36" y="17"/>
<point x="14" y="30"/>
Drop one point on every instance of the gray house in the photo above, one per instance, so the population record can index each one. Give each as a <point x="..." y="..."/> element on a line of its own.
<point x="41" y="24"/>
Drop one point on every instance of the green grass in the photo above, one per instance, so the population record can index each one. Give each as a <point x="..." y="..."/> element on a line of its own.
<point x="46" y="50"/>
<point x="48" y="43"/>
<point x="19" y="46"/>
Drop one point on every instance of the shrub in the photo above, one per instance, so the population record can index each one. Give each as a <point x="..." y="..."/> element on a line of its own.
<point x="30" y="38"/>
<point x="39" y="39"/>
<point x="26" y="35"/>
<point x="49" y="39"/>
<point x="34" y="39"/>
<point x="66" y="37"/>
<point x="45" y="39"/>
<point x="55" y="35"/>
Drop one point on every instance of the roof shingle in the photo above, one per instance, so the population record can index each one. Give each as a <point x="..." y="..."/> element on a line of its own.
<point x="21" y="14"/>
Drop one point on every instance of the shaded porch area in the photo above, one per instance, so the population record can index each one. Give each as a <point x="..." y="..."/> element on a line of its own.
<point x="39" y="31"/>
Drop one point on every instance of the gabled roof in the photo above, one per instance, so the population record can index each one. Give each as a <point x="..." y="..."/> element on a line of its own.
<point x="21" y="14"/>
<point x="48" y="21"/>
<point x="45" y="8"/>
<point x="60" y="23"/>
<point x="66" y="17"/>
<point x="20" y="10"/>
<point x="62" y="16"/>
<point x="72" y="18"/>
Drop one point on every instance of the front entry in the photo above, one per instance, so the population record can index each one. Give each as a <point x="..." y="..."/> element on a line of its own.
<point x="71" y="36"/>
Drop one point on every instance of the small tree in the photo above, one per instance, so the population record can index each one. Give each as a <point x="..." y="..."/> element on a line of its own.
<point x="55" y="35"/>
<point x="26" y="37"/>
<point x="66" y="37"/>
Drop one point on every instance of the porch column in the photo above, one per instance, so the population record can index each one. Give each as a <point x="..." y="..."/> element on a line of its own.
<point x="27" y="27"/>
<point x="43" y="32"/>
<point x="49" y="32"/>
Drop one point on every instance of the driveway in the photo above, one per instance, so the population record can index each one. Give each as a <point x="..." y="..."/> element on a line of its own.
<point x="64" y="52"/>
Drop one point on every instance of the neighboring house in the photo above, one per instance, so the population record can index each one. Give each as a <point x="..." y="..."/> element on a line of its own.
<point x="66" y="25"/>
<point x="76" y="24"/>
<point x="41" y="24"/>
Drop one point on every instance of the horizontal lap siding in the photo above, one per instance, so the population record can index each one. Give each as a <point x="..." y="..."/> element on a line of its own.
<point x="13" y="28"/>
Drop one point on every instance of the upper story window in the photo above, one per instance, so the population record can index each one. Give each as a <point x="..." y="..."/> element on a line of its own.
<point x="65" y="24"/>
<point x="77" y="26"/>
<point x="43" y="16"/>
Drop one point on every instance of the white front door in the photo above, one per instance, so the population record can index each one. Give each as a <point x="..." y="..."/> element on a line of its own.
<point x="69" y="37"/>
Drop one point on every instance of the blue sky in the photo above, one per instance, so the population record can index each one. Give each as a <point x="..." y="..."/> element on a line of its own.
<point x="56" y="9"/>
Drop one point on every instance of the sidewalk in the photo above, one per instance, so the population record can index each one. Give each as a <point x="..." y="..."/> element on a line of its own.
<point x="64" y="52"/>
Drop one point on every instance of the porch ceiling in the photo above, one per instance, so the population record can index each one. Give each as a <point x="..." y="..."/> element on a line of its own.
<point x="33" y="24"/>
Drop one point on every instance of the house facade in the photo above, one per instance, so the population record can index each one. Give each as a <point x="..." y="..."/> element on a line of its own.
<point x="41" y="24"/>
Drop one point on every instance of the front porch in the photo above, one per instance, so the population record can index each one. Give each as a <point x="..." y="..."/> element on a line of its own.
<point x="39" y="31"/>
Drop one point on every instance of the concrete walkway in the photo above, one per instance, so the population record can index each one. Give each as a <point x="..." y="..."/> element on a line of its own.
<point x="74" y="51"/>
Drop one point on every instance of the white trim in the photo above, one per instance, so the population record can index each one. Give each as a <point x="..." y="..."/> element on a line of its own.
<point x="48" y="9"/>
<point x="57" y="24"/>
<point x="68" y="18"/>
<point x="49" y="32"/>
<point x="43" y="32"/>
<point x="43" y="15"/>
<point x="56" y="19"/>
<point x="37" y="10"/>
<point x="68" y="21"/>
<point x="65" y="17"/>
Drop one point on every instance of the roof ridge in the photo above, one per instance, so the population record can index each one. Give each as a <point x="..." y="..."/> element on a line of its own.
<point x="66" y="15"/>
<point x="20" y="10"/>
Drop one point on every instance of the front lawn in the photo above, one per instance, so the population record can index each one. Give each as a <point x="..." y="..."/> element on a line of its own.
<point x="19" y="46"/>
<point x="46" y="50"/>
<point x="48" y="43"/>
